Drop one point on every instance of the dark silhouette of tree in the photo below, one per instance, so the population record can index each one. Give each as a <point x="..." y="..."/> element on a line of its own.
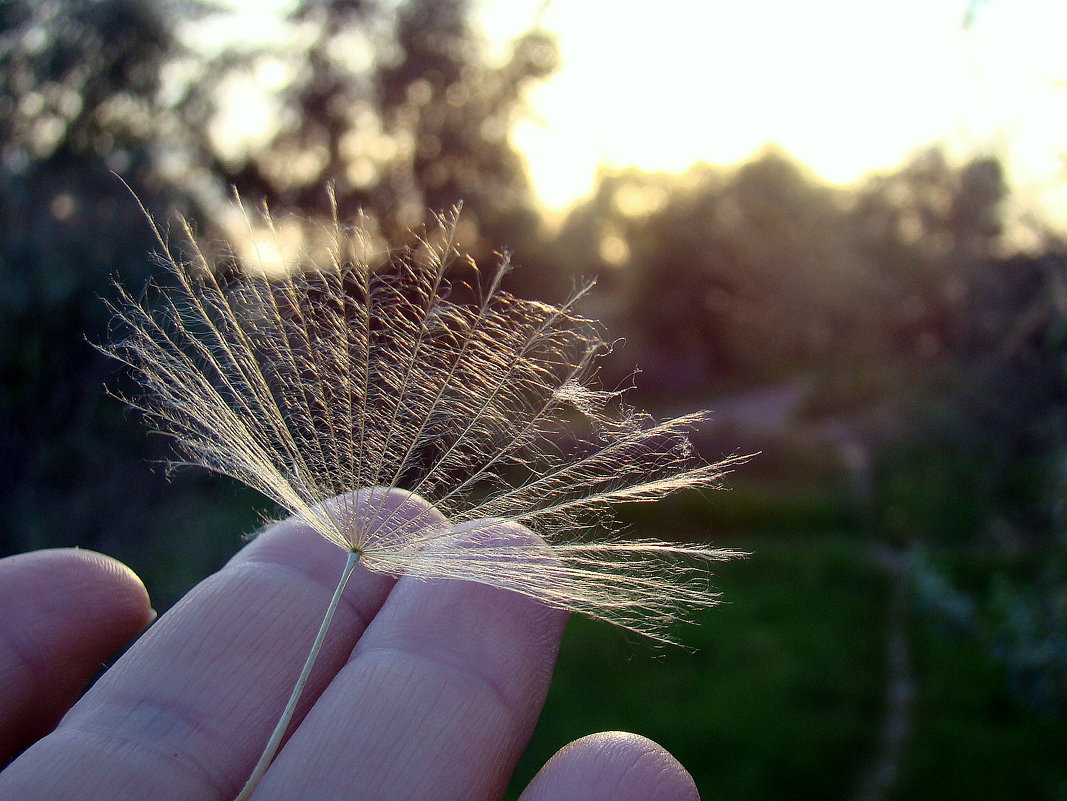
<point x="79" y="78"/>
<point x="82" y="96"/>
<point x="400" y="110"/>
<point x="928" y="232"/>
<point x="738" y="275"/>
<point x="728" y="275"/>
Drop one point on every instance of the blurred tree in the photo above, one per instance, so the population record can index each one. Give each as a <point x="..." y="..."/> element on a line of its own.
<point x="79" y="78"/>
<point x="402" y="110"/>
<point x="1000" y="423"/>
<point x="82" y="95"/>
<point x="761" y="272"/>
<point x="750" y="270"/>
<point x="928" y="232"/>
<point x="896" y="295"/>
<point x="975" y="336"/>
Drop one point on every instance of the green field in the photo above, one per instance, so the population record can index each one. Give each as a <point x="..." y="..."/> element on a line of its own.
<point x="784" y="695"/>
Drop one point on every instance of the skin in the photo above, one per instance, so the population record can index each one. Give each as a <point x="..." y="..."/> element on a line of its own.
<point x="423" y="689"/>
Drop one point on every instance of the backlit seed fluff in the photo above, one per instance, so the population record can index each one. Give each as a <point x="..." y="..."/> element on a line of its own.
<point x="342" y="375"/>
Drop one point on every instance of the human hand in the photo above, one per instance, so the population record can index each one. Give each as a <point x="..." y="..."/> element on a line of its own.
<point x="423" y="690"/>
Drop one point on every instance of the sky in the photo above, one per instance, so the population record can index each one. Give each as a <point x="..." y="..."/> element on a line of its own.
<point x="846" y="86"/>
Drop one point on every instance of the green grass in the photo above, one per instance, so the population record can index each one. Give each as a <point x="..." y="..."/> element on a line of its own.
<point x="972" y="738"/>
<point x="783" y="697"/>
<point x="197" y="530"/>
<point x="779" y="698"/>
<point x="753" y="506"/>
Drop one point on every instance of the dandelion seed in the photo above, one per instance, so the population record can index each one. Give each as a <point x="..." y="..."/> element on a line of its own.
<point x="338" y="381"/>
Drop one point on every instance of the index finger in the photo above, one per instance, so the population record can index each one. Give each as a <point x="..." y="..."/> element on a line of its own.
<point x="438" y="700"/>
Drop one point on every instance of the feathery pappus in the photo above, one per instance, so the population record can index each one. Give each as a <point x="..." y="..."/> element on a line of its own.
<point x="336" y="385"/>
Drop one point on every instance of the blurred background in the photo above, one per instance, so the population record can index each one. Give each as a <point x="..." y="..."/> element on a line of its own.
<point x="839" y="225"/>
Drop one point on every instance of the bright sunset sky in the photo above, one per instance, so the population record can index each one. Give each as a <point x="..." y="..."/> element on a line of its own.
<point x="845" y="86"/>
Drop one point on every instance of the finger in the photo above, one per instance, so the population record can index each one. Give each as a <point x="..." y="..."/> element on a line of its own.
<point x="186" y="711"/>
<point x="65" y="612"/>
<point x="612" y="766"/>
<point x="438" y="700"/>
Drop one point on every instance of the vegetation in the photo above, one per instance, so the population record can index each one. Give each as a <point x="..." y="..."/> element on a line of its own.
<point x="785" y="694"/>
<point x="780" y="694"/>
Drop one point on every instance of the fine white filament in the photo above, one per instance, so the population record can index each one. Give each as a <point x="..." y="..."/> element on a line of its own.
<point x="345" y="376"/>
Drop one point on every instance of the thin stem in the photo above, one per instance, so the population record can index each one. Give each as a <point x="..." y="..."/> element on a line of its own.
<point x="287" y="714"/>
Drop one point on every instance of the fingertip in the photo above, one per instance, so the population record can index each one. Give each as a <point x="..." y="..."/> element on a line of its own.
<point x="70" y="582"/>
<point x="123" y="587"/>
<point x="65" y="612"/>
<point x="612" y="766"/>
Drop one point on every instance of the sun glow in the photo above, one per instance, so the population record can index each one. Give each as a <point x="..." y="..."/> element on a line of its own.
<point x="848" y="88"/>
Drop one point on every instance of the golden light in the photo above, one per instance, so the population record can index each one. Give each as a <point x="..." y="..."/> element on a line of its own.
<point x="847" y="88"/>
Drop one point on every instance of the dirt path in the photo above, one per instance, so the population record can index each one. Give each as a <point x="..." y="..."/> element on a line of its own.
<point x="774" y="411"/>
<point x="897" y="713"/>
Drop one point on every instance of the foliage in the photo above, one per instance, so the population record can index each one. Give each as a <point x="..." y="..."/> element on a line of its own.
<point x="761" y="272"/>
<point x="83" y="78"/>
<point x="81" y="86"/>
<point x="895" y="299"/>
<point x="979" y="469"/>
<point x="779" y="697"/>
<point x="972" y="737"/>
<point x="1029" y="636"/>
<point x="400" y="109"/>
